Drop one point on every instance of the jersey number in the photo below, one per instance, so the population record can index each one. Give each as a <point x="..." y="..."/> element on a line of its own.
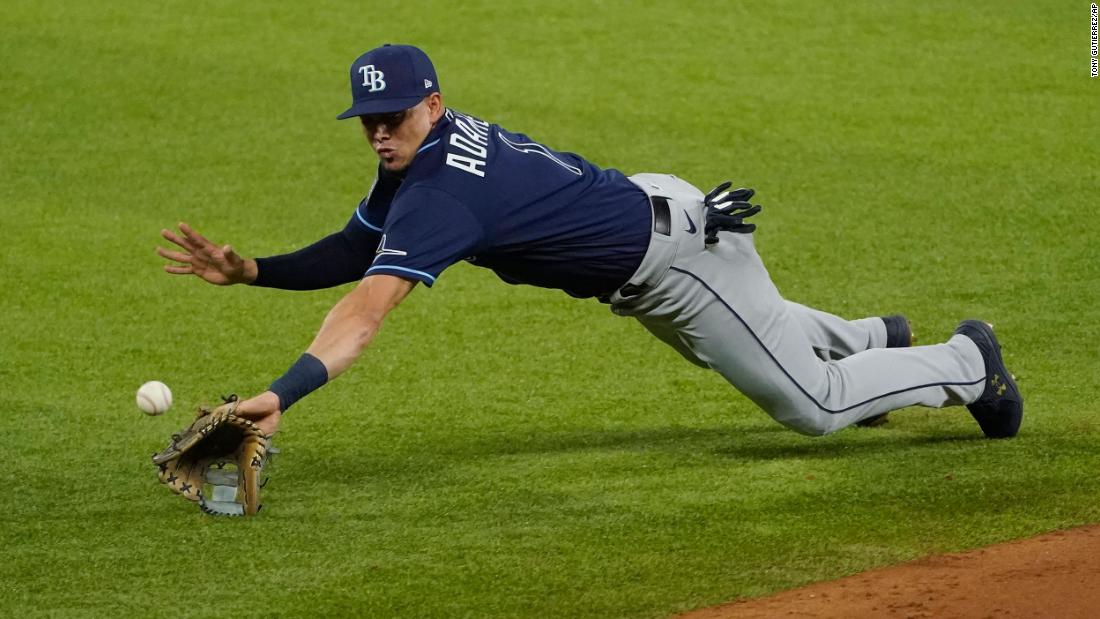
<point x="538" y="149"/>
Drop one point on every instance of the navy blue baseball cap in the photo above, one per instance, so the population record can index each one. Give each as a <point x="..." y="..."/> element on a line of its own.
<point x="389" y="79"/>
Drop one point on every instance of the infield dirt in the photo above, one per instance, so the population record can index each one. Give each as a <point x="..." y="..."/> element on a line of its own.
<point x="1053" y="575"/>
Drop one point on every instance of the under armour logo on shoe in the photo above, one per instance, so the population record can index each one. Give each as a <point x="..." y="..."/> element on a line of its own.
<point x="998" y="385"/>
<point x="373" y="78"/>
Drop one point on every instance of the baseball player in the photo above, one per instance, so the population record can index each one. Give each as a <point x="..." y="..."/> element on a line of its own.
<point x="453" y="187"/>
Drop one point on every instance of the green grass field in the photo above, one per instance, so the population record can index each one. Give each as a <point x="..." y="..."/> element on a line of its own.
<point x="511" y="452"/>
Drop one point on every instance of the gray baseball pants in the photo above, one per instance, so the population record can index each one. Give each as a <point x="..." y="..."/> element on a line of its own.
<point x="811" y="371"/>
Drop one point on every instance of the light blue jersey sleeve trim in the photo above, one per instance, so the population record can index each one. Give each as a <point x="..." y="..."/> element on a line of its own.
<point x="428" y="279"/>
<point x="363" y="220"/>
<point x="428" y="145"/>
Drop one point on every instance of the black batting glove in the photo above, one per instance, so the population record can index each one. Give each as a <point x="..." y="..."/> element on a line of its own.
<point x="727" y="210"/>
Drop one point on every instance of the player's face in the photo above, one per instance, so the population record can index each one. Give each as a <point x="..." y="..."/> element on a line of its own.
<point x="396" y="137"/>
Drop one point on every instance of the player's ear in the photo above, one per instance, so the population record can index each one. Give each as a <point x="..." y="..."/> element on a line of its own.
<point x="435" y="106"/>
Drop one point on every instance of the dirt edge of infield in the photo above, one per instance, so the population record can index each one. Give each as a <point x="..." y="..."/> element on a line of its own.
<point x="1053" y="575"/>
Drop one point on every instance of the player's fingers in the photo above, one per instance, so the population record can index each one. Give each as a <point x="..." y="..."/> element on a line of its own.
<point x="175" y="238"/>
<point x="178" y="270"/>
<point x="194" y="236"/>
<point x="717" y="190"/>
<point x="230" y="256"/>
<point x="173" y="255"/>
<point x="743" y="194"/>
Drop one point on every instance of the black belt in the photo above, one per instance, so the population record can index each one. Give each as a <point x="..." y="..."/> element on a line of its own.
<point x="662" y="216"/>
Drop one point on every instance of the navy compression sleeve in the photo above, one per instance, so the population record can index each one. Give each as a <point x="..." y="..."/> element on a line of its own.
<point x="307" y="374"/>
<point x="337" y="259"/>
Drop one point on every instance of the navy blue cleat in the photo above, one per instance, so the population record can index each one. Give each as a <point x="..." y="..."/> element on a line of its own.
<point x="1000" y="409"/>
<point x="899" y="334"/>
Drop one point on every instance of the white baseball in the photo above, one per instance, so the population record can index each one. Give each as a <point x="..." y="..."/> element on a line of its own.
<point x="154" y="397"/>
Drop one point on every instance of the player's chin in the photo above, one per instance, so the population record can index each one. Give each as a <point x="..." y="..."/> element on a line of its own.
<point x="393" y="164"/>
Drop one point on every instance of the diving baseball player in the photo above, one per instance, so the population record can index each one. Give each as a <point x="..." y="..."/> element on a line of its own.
<point x="453" y="187"/>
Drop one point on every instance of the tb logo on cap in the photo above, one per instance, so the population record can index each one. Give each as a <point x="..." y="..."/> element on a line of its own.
<point x="373" y="78"/>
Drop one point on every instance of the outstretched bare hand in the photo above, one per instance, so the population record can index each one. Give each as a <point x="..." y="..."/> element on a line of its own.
<point x="218" y="265"/>
<point x="263" y="410"/>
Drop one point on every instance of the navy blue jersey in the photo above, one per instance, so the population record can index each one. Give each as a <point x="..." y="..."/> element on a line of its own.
<point x="500" y="200"/>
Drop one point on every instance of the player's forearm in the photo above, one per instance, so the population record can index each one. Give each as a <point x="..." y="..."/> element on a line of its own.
<point x="347" y="331"/>
<point x="337" y="259"/>
<point x="328" y="262"/>
<point x="340" y="341"/>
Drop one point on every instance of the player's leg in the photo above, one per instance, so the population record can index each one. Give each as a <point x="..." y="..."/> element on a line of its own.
<point x="724" y="306"/>
<point x="721" y="304"/>
<point x="664" y="332"/>
<point x="766" y="358"/>
<point x="833" y="337"/>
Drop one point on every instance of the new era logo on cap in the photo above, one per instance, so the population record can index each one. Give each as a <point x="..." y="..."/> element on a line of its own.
<point x="389" y="79"/>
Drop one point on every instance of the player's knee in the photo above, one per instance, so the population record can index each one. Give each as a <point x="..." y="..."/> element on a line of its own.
<point x="812" y="427"/>
<point x="807" y="419"/>
<point x="789" y="404"/>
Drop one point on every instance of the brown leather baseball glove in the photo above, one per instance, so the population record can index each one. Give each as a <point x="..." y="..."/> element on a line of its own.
<point x="216" y="461"/>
